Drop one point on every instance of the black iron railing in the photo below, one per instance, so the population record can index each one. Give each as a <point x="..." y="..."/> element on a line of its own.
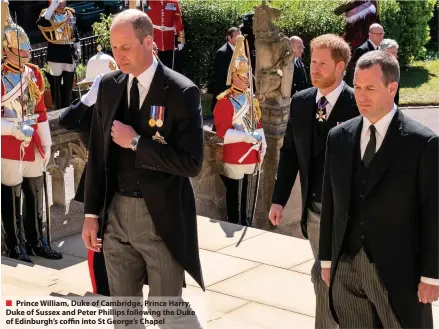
<point x="88" y="50"/>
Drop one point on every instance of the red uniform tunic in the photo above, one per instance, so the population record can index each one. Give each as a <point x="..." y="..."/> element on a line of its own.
<point x="11" y="145"/>
<point x="234" y="146"/>
<point x="166" y="18"/>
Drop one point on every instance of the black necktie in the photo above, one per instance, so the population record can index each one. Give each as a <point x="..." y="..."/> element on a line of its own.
<point x="369" y="153"/>
<point x="134" y="96"/>
<point x="321" y="110"/>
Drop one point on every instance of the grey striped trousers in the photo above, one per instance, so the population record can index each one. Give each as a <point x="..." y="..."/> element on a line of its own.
<point x="324" y="318"/>
<point x="359" y="296"/>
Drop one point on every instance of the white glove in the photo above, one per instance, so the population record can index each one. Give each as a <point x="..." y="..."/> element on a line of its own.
<point x="78" y="49"/>
<point x="47" y="153"/>
<point x="23" y="132"/>
<point x="180" y="46"/>
<point x="89" y="98"/>
<point x="49" y="11"/>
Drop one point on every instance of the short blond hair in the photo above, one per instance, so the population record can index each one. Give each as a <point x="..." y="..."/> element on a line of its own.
<point x="340" y="50"/>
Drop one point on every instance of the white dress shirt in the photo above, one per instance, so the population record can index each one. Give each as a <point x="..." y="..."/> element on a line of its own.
<point x="144" y="83"/>
<point x="331" y="98"/>
<point x="145" y="79"/>
<point x="381" y="126"/>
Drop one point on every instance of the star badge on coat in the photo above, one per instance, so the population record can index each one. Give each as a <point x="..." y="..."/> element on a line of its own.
<point x="159" y="138"/>
<point x="321" y="116"/>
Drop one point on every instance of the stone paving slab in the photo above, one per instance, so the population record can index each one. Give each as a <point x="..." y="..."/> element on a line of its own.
<point x="272" y="286"/>
<point x="272" y="249"/>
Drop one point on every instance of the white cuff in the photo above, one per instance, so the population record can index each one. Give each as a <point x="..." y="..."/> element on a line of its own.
<point x="433" y="282"/>
<point x="234" y="136"/>
<point x="91" y="215"/>
<point x="49" y="11"/>
<point x="7" y="127"/>
<point x="325" y="264"/>
<point x="44" y="133"/>
<point x="87" y="100"/>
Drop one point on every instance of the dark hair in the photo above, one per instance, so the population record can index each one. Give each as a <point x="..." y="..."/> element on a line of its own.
<point x="231" y="31"/>
<point x="388" y="64"/>
<point x="340" y="50"/>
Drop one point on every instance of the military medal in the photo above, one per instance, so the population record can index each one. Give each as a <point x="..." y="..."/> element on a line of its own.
<point x="161" y="116"/>
<point x="153" y="116"/>
<point x="321" y="113"/>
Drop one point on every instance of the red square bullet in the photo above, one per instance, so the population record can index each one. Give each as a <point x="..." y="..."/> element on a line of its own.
<point x="9" y="303"/>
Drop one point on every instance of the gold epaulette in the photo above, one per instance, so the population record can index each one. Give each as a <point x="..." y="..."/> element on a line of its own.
<point x="224" y="94"/>
<point x="43" y="85"/>
<point x="258" y="111"/>
<point x="71" y="9"/>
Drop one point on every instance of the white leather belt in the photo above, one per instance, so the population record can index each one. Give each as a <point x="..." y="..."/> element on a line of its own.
<point x="164" y="28"/>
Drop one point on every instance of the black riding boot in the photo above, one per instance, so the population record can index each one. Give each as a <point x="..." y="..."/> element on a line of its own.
<point x="12" y="222"/>
<point x="33" y="221"/>
<point x="55" y="89"/>
<point x="66" y="89"/>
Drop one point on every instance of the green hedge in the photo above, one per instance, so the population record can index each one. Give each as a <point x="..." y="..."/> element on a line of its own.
<point x="407" y="23"/>
<point x="206" y="23"/>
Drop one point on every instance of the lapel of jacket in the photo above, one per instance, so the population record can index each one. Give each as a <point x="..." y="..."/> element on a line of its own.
<point x="303" y="125"/>
<point x="387" y="153"/>
<point x="157" y="89"/>
<point x="339" y="106"/>
<point x="117" y="90"/>
<point x="351" y="135"/>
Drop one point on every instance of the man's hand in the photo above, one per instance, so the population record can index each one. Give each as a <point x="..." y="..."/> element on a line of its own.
<point x="427" y="293"/>
<point x="90" y="233"/>
<point x="122" y="134"/>
<point x="326" y="275"/>
<point x="275" y="214"/>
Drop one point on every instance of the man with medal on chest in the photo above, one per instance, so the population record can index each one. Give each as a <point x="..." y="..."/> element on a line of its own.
<point x="25" y="151"/>
<point x="58" y="26"/>
<point x="237" y="120"/>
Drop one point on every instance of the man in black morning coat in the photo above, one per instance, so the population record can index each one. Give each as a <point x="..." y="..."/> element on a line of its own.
<point x="379" y="225"/>
<point x="146" y="141"/>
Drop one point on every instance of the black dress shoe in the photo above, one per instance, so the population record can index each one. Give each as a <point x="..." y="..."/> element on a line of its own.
<point x="19" y="253"/>
<point x="43" y="250"/>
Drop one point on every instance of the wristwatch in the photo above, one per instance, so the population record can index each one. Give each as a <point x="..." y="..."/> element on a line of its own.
<point x="134" y="142"/>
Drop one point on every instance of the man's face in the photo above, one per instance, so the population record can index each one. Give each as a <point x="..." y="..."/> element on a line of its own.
<point x="297" y="48"/>
<point x="232" y="39"/>
<point x="240" y="81"/>
<point x="392" y="51"/>
<point x="376" y="35"/>
<point x="130" y="54"/>
<point x="324" y="70"/>
<point x="12" y="56"/>
<point x="373" y="97"/>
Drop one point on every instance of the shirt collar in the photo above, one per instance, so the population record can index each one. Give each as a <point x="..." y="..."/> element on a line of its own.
<point x="231" y="46"/>
<point x="146" y="76"/>
<point x="333" y="95"/>
<point x="381" y="125"/>
<point x="374" y="46"/>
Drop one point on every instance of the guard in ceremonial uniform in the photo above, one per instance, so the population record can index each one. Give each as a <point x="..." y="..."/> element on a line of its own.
<point x="58" y="25"/>
<point x="25" y="151"/>
<point x="166" y="19"/>
<point x="244" y="140"/>
<point x="77" y="117"/>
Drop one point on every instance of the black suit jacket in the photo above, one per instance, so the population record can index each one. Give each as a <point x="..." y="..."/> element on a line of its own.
<point x="300" y="79"/>
<point x="221" y="64"/>
<point x="401" y="201"/>
<point x="296" y="152"/>
<point x="360" y="51"/>
<point x="163" y="170"/>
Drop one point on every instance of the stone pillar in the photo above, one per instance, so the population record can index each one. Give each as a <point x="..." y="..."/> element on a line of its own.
<point x="274" y="75"/>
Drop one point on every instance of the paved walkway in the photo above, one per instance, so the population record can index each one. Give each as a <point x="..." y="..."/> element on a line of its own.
<point x="254" y="279"/>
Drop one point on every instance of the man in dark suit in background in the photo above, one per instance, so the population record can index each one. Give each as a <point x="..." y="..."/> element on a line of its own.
<point x="314" y="112"/>
<point x="146" y="140"/>
<point x="376" y="35"/>
<point x="221" y="64"/>
<point x="300" y="76"/>
<point x="379" y="224"/>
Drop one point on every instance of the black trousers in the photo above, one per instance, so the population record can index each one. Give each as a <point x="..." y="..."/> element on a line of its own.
<point x="97" y="269"/>
<point x="236" y="199"/>
<point x="166" y="57"/>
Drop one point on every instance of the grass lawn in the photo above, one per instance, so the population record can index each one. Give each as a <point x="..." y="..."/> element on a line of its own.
<point x="420" y="84"/>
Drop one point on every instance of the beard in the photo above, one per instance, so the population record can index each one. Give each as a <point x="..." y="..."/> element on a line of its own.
<point x="323" y="82"/>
